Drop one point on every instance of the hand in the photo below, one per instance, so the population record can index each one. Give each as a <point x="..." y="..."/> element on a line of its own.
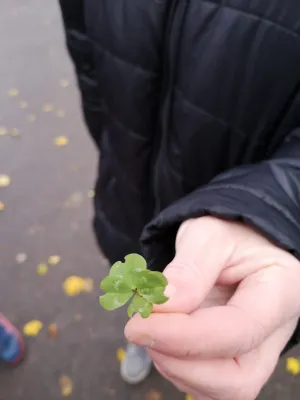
<point x="234" y="302"/>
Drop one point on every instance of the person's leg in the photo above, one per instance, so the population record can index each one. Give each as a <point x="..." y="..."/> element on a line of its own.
<point x="136" y="366"/>
<point x="11" y="342"/>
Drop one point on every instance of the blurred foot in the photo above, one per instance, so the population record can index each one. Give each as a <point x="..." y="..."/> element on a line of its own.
<point x="136" y="366"/>
<point x="11" y="342"/>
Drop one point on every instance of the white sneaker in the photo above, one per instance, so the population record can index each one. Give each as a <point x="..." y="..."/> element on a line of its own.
<point x="136" y="366"/>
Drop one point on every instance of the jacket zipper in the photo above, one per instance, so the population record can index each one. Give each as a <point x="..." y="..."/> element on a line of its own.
<point x="169" y="68"/>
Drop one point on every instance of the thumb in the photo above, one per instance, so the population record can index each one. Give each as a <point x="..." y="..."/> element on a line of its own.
<point x="203" y="248"/>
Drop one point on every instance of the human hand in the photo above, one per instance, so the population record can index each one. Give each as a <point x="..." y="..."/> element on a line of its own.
<point x="234" y="303"/>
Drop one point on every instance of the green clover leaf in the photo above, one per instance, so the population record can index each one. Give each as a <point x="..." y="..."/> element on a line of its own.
<point x="112" y="301"/>
<point x="116" y="284"/>
<point x="150" y="279"/>
<point x="132" y="279"/>
<point x="139" y="305"/>
<point x="154" y="295"/>
<point x="126" y="272"/>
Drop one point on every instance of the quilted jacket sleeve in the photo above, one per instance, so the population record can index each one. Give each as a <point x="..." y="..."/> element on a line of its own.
<point x="265" y="196"/>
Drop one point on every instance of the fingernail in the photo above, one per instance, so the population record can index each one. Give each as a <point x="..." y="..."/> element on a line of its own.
<point x="144" y="342"/>
<point x="170" y="291"/>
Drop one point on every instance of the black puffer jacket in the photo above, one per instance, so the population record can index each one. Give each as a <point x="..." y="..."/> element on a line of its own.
<point x="195" y="106"/>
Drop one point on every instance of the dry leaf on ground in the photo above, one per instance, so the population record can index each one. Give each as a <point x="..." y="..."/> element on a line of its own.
<point x="3" y="131"/>
<point x="2" y="206"/>
<point x="23" y="104"/>
<point x="64" y="83"/>
<point x="121" y="354"/>
<point x="48" y="107"/>
<point x="21" y="258"/>
<point x="31" y="117"/>
<point x="32" y="328"/>
<point x="61" y="141"/>
<point x="42" y="269"/>
<point x="74" y="200"/>
<point x="13" y="92"/>
<point x="54" y="260"/>
<point x="293" y="366"/>
<point x="53" y="331"/>
<point x="60" y="113"/>
<point x="66" y="385"/>
<point x="154" y="395"/>
<point x="15" y="132"/>
<point x="91" y="194"/>
<point x="4" y="180"/>
<point x="74" y="285"/>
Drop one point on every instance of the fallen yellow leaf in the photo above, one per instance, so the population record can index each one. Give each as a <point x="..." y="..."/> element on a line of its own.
<point x="53" y="260"/>
<point x="48" y="107"/>
<point x="13" y="92"/>
<point x="154" y="395"/>
<point x="66" y="386"/>
<point x="21" y="258"/>
<point x="74" y="285"/>
<point x="33" y="328"/>
<point x="74" y="200"/>
<point x="2" y="206"/>
<point x="64" y="83"/>
<point x="42" y="269"/>
<point x="23" y="104"/>
<point x="60" y="113"/>
<point x="121" y="354"/>
<point x="53" y="331"/>
<point x="15" y="132"/>
<point x="31" y="117"/>
<point x="4" y="180"/>
<point x="91" y="194"/>
<point x="189" y="397"/>
<point x="293" y="366"/>
<point x="61" y="141"/>
<point x="3" y="131"/>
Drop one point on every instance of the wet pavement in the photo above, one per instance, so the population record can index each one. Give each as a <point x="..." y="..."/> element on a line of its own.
<point x="47" y="211"/>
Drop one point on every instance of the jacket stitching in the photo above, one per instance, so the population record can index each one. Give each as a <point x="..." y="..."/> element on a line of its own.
<point x="100" y="47"/>
<point x="202" y="110"/>
<point x="258" y="194"/>
<point x="121" y="125"/>
<point x="255" y="16"/>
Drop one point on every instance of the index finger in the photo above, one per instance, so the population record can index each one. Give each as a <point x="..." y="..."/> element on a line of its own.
<point x="262" y="303"/>
<point x="196" y="266"/>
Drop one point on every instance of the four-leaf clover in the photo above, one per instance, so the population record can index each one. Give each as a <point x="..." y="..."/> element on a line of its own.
<point x="132" y="280"/>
